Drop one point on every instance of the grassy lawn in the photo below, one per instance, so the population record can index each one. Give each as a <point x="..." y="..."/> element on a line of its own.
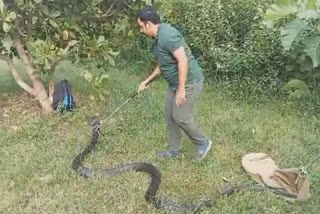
<point x="36" y="152"/>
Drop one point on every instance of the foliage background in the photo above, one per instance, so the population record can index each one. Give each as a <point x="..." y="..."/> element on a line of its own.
<point x="242" y="60"/>
<point x="232" y="45"/>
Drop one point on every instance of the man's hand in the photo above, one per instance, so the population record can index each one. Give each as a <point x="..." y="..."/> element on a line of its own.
<point x="147" y="81"/>
<point x="181" y="97"/>
<point x="142" y="86"/>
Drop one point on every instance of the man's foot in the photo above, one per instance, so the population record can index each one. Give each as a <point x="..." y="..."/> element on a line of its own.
<point x="202" y="151"/>
<point x="168" y="154"/>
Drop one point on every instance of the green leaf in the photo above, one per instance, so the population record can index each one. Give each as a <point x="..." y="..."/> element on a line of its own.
<point x="293" y="32"/>
<point x="10" y="17"/>
<point x="53" y="23"/>
<point x="46" y="64"/>
<point x="55" y="14"/>
<point x="20" y="3"/>
<point x="114" y="53"/>
<point x="76" y="27"/>
<point x="111" y="61"/>
<point x="8" y="43"/>
<point x="312" y="49"/>
<point x="1" y="6"/>
<point x="95" y="2"/>
<point x="73" y="43"/>
<point x="311" y="4"/>
<point x="6" y="27"/>
<point x="103" y="78"/>
<point x="279" y="10"/>
<point x="290" y="67"/>
<point x="101" y="97"/>
<point x="300" y="94"/>
<point x="101" y="38"/>
<point x="309" y="14"/>
<point x="37" y="1"/>
<point x="45" y="10"/>
<point x="130" y="33"/>
<point x="39" y="42"/>
<point x="296" y="84"/>
<point x="309" y="10"/>
<point x="72" y="35"/>
<point x="87" y="75"/>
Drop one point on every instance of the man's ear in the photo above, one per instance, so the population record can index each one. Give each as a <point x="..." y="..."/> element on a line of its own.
<point x="148" y="24"/>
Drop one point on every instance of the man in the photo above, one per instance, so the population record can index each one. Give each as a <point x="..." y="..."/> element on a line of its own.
<point x="184" y="76"/>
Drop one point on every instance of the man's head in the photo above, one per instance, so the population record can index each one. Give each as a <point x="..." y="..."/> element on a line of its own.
<point x="148" y="21"/>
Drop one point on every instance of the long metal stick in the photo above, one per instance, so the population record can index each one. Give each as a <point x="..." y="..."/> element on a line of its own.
<point x="310" y="164"/>
<point x="113" y="113"/>
<point x="130" y="97"/>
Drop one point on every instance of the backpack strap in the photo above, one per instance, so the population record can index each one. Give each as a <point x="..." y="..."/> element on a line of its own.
<point x="69" y="95"/>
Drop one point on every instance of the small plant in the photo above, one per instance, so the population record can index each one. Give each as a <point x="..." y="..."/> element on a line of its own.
<point x="100" y="83"/>
<point x="299" y="22"/>
<point x="231" y="43"/>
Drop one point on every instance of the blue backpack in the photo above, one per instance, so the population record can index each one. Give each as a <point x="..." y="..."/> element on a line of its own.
<point x="62" y="96"/>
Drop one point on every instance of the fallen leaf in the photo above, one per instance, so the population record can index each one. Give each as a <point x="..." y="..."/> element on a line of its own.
<point x="15" y="128"/>
<point x="46" y="179"/>
<point x="25" y="112"/>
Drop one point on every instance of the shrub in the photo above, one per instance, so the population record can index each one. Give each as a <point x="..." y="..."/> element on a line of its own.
<point x="230" y="41"/>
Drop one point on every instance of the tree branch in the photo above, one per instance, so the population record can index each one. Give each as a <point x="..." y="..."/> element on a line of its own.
<point x="63" y="55"/>
<point x="109" y="11"/>
<point x="126" y="3"/>
<point x="19" y="31"/>
<point x="29" y="23"/>
<point x="16" y="75"/>
<point x="22" y="53"/>
<point x="17" y="27"/>
<point x="28" y="33"/>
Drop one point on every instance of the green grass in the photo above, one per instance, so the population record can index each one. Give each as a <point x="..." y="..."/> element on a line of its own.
<point x="36" y="152"/>
<point x="7" y="83"/>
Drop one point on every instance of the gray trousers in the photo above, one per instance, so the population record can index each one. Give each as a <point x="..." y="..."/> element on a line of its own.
<point x="181" y="117"/>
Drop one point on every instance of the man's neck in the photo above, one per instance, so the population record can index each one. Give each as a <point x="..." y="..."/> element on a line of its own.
<point x="156" y="30"/>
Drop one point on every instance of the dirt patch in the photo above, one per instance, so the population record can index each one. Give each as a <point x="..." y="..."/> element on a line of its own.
<point x="17" y="104"/>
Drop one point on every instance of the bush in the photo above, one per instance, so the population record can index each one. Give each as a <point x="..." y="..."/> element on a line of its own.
<point x="232" y="44"/>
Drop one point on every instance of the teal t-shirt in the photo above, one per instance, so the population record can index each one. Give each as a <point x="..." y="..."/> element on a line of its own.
<point x="167" y="41"/>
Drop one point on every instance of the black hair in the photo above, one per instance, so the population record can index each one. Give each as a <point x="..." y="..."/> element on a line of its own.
<point x="148" y="13"/>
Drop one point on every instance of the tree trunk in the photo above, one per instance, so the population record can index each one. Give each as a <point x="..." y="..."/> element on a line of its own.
<point x="38" y="90"/>
<point x="42" y="96"/>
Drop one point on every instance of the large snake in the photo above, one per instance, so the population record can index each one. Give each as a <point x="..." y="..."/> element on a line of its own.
<point x="151" y="193"/>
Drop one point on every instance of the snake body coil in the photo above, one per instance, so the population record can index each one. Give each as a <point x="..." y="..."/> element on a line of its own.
<point x="151" y="193"/>
<point x="148" y="168"/>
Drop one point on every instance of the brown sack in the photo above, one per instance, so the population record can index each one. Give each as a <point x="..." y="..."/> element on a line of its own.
<point x="261" y="168"/>
<point x="294" y="182"/>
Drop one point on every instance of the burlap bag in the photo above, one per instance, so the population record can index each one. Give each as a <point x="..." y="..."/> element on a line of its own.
<point x="263" y="170"/>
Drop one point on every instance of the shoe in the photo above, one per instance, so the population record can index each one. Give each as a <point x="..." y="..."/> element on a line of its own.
<point x="202" y="151"/>
<point x="168" y="154"/>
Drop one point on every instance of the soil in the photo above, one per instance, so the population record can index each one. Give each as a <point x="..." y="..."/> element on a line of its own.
<point x="17" y="104"/>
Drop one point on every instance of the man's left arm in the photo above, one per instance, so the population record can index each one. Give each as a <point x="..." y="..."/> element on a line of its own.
<point x="182" y="60"/>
